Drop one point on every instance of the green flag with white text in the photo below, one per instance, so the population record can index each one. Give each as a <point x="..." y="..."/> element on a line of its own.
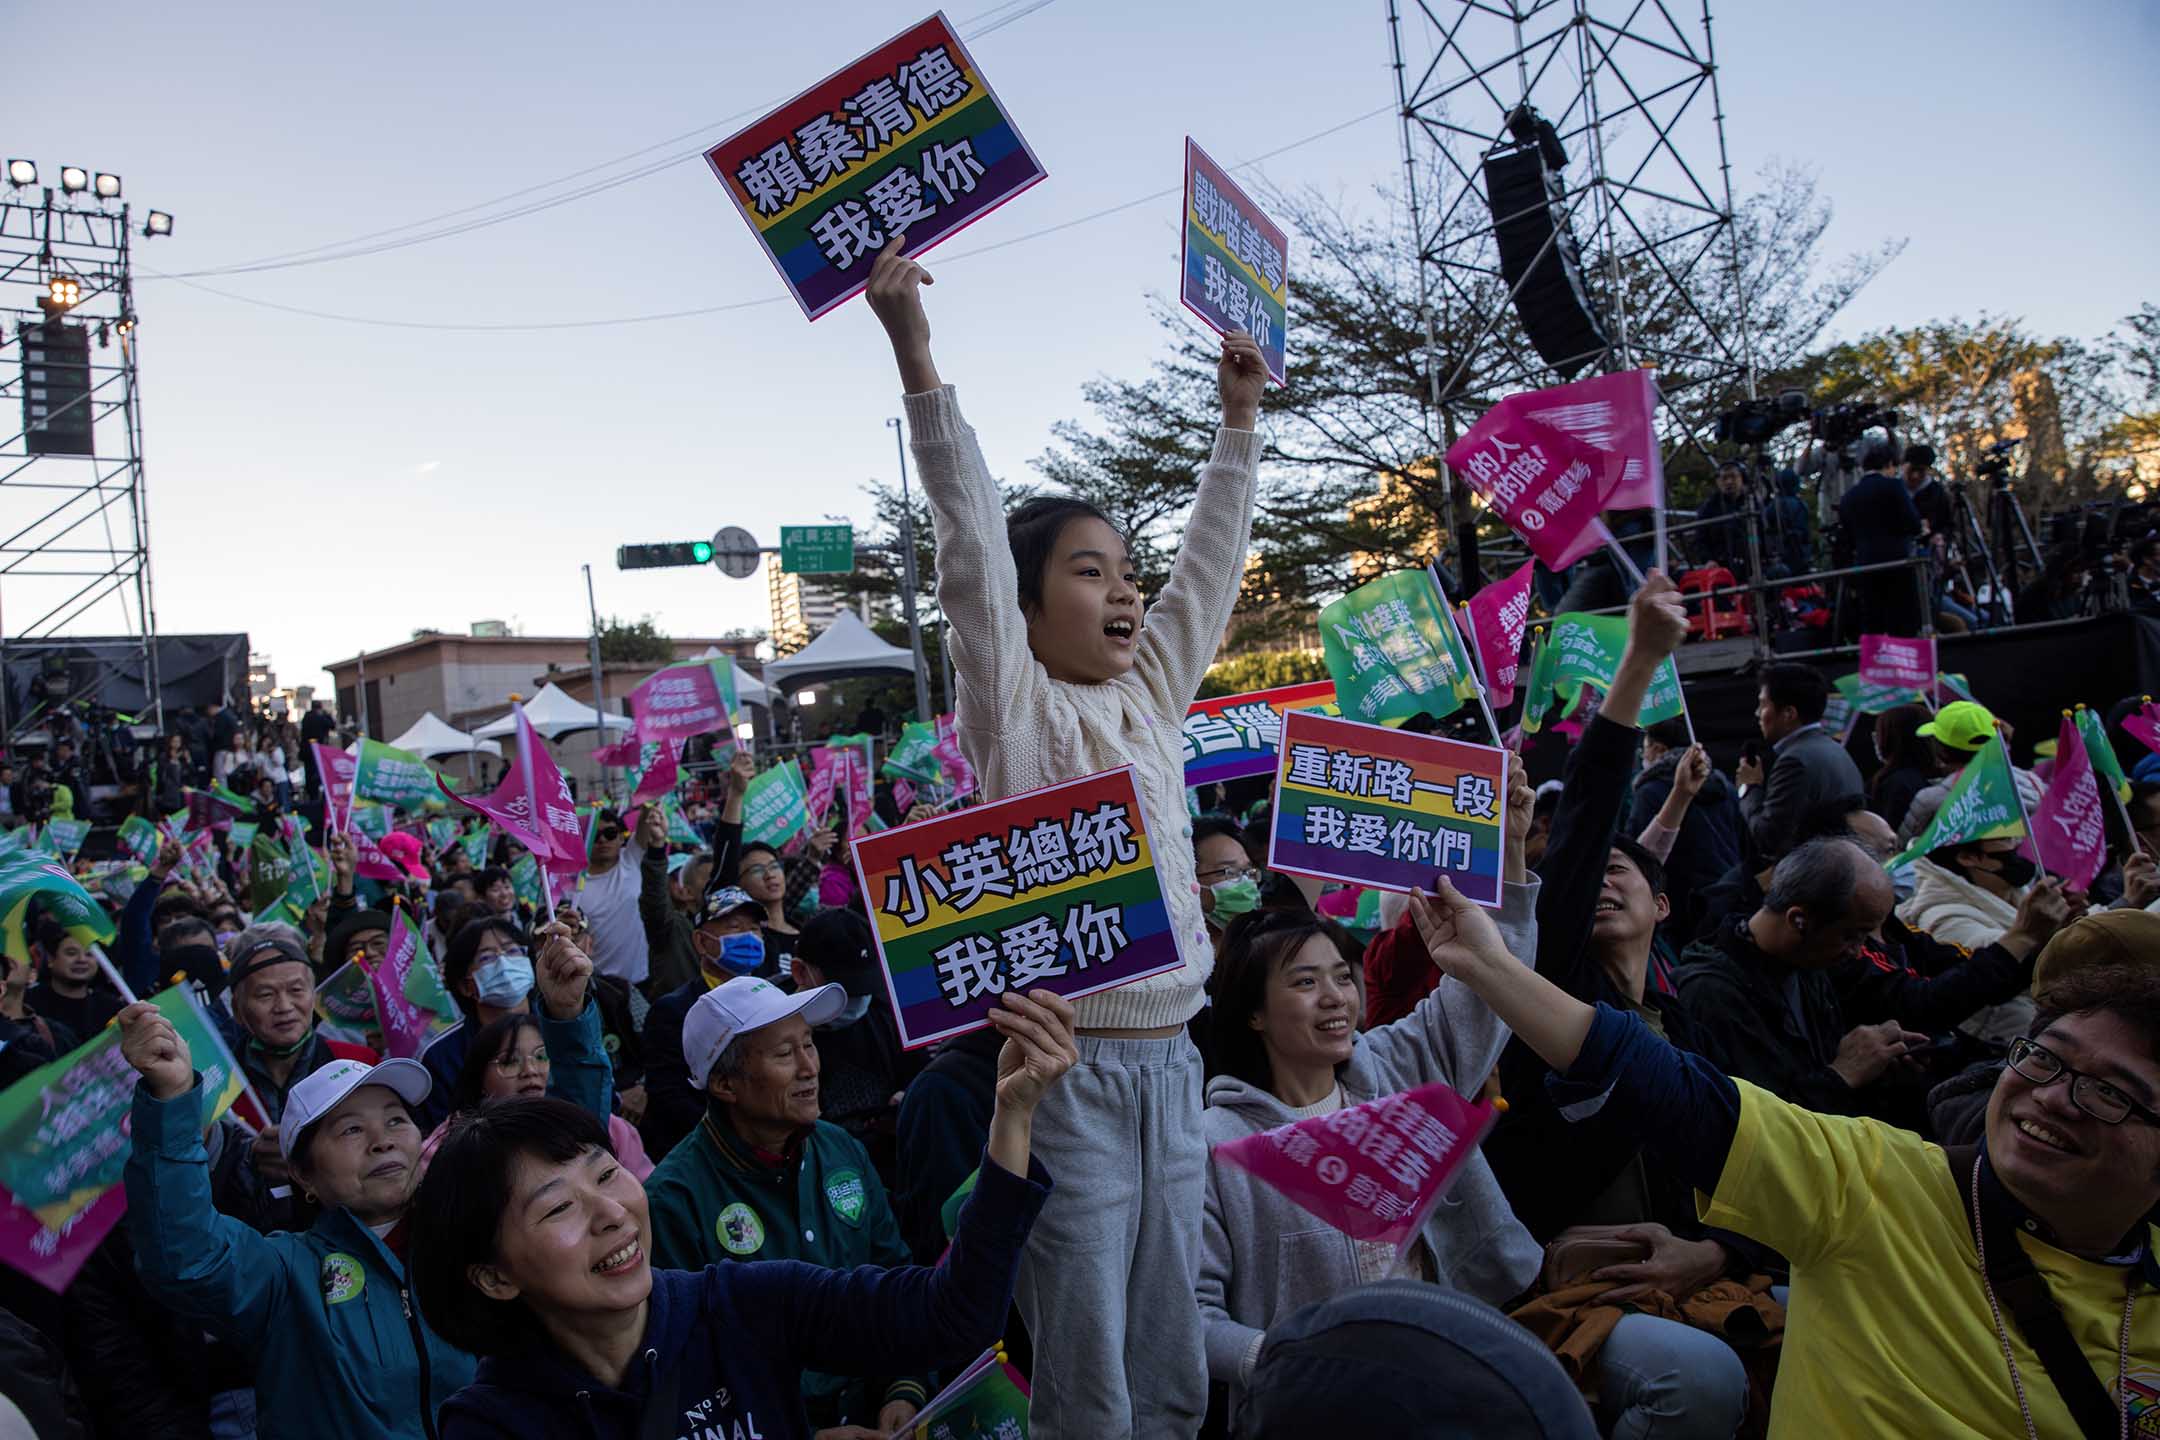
<point x="1393" y="651"/>
<point x="1585" y="650"/>
<point x="1982" y="805"/>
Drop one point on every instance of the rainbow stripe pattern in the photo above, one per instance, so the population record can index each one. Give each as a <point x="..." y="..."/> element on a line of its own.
<point x="1381" y="807"/>
<point x="1233" y="736"/>
<point x="1235" y="260"/>
<point x="908" y="139"/>
<point x="1055" y="889"/>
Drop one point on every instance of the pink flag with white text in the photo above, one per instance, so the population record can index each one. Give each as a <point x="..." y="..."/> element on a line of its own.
<point x="1613" y="413"/>
<point x="405" y="1026"/>
<point x="1497" y="615"/>
<point x="958" y="772"/>
<point x="2144" y="726"/>
<point x="661" y="773"/>
<point x="2068" y="828"/>
<point x="1900" y="662"/>
<point x="623" y="753"/>
<point x="1374" y="1171"/>
<point x="337" y="770"/>
<point x="53" y="1256"/>
<point x="533" y="804"/>
<point x="1548" y="485"/>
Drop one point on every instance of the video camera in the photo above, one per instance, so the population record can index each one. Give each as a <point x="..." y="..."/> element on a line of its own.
<point x="1754" y="421"/>
<point x="1994" y="462"/>
<point x="1839" y="425"/>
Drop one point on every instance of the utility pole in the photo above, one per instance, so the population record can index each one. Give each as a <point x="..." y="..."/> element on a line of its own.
<point x="600" y="736"/>
<point x="907" y="578"/>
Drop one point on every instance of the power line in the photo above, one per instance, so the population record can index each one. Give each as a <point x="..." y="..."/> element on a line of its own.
<point x="186" y="278"/>
<point x="357" y="246"/>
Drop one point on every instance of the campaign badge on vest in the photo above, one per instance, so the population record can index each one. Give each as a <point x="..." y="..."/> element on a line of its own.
<point x="844" y="1192"/>
<point x="740" y="1230"/>
<point x="343" y="1278"/>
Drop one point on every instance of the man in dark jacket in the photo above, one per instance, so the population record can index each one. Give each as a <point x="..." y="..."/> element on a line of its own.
<point x="1881" y="525"/>
<point x="944" y="1120"/>
<point x="1759" y="999"/>
<point x="1809" y="766"/>
<point x="1726" y="542"/>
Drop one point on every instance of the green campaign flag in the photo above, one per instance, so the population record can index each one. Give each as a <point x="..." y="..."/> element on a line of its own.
<point x="270" y="871"/>
<point x="244" y="831"/>
<point x="679" y="828"/>
<point x="63" y="1131"/>
<point x="46" y="843"/>
<point x="25" y="876"/>
<point x="233" y="798"/>
<point x="14" y="839"/>
<point x="395" y="777"/>
<point x="2105" y="763"/>
<point x="1537" y="684"/>
<point x="1393" y="651"/>
<point x="1867" y="699"/>
<point x="1585" y="650"/>
<point x="1982" y="805"/>
<point x="525" y="882"/>
<point x="912" y="757"/>
<point x="775" y="805"/>
<point x="475" y="842"/>
<point x="307" y="876"/>
<point x="442" y="833"/>
<point x="370" y="819"/>
<point x="346" y="1002"/>
<point x="68" y="835"/>
<point x="986" y="1401"/>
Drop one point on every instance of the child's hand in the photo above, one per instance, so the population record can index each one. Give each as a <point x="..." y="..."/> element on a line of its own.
<point x="1241" y="375"/>
<point x="895" y="296"/>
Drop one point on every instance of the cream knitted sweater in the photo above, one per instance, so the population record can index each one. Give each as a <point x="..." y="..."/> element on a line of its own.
<point x="1022" y="730"/>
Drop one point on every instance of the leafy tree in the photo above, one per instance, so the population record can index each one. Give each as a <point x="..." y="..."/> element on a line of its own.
<point x="1262" y="670"/>
<point x="641" y="642"/>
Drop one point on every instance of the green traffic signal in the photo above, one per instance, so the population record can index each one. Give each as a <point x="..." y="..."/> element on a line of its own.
<point x="701" y="551"/>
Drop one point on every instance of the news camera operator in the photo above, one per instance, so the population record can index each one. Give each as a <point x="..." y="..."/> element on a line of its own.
<point x="1880" y="525"/>
<point x="1726" y="541"/>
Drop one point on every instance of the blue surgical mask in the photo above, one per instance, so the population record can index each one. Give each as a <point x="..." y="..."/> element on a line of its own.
<point x="742" y="954"/>
<point x="1903" y="880"/>
<point x="503" y="981"/>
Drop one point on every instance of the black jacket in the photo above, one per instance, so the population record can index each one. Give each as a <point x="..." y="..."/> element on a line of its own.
<point x="1879" y="518"/>
<point x="1550" y="1168"/>
<point x="944" y="1123"/>
<point x="1764" y="1022"/>
<point x="1708" y="844"/>
<point x="1810" y="766"/>
<point x="1925" y="984"/>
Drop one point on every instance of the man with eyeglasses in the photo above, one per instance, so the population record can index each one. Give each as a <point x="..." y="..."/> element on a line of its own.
<point x="2007" y="1288"/>
<point x="608" y="894"/>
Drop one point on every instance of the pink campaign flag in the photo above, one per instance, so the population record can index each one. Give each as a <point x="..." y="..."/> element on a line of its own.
<point x="53" y="1257"/>
<point x="2067" y="825"/>
<point x="337" y="769"/>
<point x="681" y="701"/>
<point x="1549" y="486"/>
<point x="1613" y="413"/>
<point x="903" y="795"/>
<point x="824" y="776"/>
<point x="1497" y="615"/>
<point x="622" y="754"/>
<point x="856" y="778"/>
<point x="404" y="1024"/>
<point x="1374" y="1171"/>
<point x="958" y="772"/>
<point x="2145" y="726"/>
<point x="1898" y="661"/>
<point x="661" y="776"/>
<point x="533" y="805"/>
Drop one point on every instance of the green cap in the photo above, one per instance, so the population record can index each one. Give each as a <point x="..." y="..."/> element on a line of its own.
<point x="1961" y="725"/>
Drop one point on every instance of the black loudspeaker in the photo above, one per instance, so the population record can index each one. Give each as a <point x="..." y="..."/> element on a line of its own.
<point x="57" y="418"/>
<point x="1525" y="196"/>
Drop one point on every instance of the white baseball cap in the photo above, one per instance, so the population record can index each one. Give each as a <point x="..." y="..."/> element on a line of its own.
<point x="742" y="1005"/>
<point x="321" y="1092"/>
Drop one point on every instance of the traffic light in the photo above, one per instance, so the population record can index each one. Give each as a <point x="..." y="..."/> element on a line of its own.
<point x="673" y="552"/>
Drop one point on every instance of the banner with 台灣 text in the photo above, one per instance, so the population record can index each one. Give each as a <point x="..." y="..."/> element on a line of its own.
<point x="1235" y="260"/>
<point x="1233" y="736"/>
<point x="1394" y="652"/>
<point x="1389" y="809"/>
<point x="906" y="140"/>
<point x="1055" y="889"/>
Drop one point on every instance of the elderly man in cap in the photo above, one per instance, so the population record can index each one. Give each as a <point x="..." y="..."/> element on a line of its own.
<point x="763" y="1178"/>
<point x="727" y="938"/>
<point x="272" y="989"/>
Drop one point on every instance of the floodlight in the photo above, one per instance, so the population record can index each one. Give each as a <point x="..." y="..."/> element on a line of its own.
<point x="22" y="172"/>
<point x="63" y="292"/>
<point x="126" y="327"/>
<point x="107" y="186"/>
<point x="159" y="223"/>
<point x="74" y="178"/>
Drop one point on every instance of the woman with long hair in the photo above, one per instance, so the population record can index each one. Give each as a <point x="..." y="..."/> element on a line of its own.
<point x="1907" y="762"/>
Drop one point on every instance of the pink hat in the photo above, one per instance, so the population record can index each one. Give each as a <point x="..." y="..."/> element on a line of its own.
<point x="403" y="851"/>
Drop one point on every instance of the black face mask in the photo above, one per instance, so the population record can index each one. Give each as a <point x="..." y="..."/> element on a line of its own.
<point x="2015" y="870"/>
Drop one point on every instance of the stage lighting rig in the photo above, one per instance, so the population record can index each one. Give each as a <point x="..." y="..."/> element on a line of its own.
<point x="22" y="172"/>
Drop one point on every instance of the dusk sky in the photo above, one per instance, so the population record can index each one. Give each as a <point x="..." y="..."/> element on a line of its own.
<point x="330" y="483"/>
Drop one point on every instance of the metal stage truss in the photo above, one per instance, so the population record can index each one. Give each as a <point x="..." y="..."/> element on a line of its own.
<point x="74" y="533"/>
<point x="1630" y="90"/>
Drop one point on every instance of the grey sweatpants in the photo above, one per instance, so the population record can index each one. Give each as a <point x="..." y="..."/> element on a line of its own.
<point x="1106" y="1283"/>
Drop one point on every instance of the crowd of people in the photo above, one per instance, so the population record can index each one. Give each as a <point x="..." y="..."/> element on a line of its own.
<point x="1792" y="1141"/>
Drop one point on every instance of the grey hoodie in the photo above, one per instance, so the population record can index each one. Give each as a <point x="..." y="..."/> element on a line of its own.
<point x="1263" y="1255"/>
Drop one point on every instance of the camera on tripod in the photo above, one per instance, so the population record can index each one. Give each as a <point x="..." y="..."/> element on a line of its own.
<point x="1839" y="425"/>
<point x="1754" y="421"/>
<point x="1994" y="462"/>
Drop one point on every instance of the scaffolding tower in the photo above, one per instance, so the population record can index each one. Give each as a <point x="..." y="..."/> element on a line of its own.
<point x="74" y="531"/>
<point x="1630" y="90"/>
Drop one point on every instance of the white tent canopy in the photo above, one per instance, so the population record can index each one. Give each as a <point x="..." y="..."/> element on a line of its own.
<point x="748" y="688"/>
<point x="847" y="649"/>
<point x="432" y="737"/>
<point x="554" y="715"/>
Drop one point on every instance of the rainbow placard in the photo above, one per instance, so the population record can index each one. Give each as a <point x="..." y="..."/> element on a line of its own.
<point x="1233" y="736"/>
<point x="1235" y="260"/>
<point x="1055" y="889"/>
<point x="1380" y="807"/>
<point x="910" y="138"/>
